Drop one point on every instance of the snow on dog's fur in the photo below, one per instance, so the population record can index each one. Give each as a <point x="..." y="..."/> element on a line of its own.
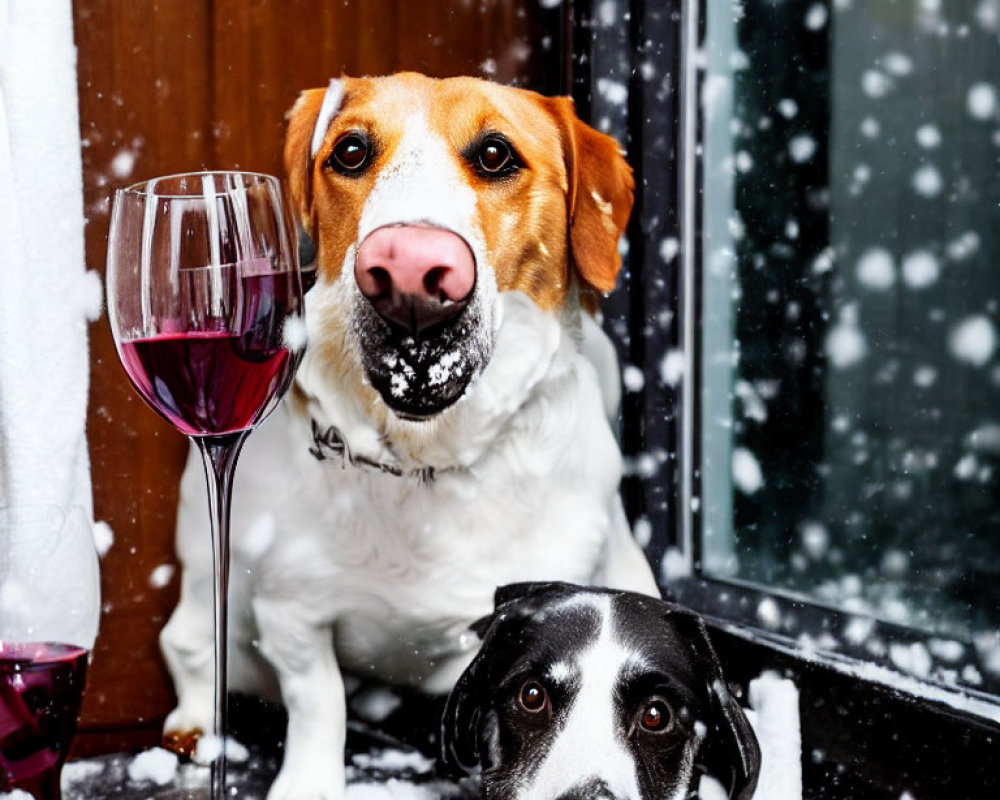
<point x="448" y="428"/>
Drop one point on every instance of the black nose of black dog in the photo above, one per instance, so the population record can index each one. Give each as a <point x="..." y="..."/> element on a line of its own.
<point x="589" y="789"/>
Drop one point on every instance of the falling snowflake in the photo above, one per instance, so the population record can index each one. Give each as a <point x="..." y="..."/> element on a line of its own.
<point x="802" y="148"/>
<point x="982" y="101"/>
<point x="929" y="136"/>
<point x="876" y="269"/>
<point x="920" y="269"/>
<point x="875" y="83"/>
<point x="973" y="340"/>
<point x="927" y="181"/>
<point x="816" y="17"/>
<point x="845" y="343"/>
<point x="747" y="474"/>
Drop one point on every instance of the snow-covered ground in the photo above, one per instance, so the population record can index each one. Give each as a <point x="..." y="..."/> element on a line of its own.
<point x="389" y="771"/>
<point x="397" y="773"/>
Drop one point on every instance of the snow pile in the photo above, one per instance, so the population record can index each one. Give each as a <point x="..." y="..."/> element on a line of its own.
<point x="775" y="719"/>
<point x="209" y="748"/>
<point x="157" y="766"/>
<point x="74" y="772"/>
<point x="392" y="789"/>
<point x="395" y="761"/>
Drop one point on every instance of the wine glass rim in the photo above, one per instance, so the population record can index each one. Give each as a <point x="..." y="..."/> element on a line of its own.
<point x="140" y="187"/>
<point x="42" y="653"/>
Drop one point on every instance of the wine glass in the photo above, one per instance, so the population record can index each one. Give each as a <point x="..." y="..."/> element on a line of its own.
<point x="205" y="303"/>
<point x="49" y="608"/>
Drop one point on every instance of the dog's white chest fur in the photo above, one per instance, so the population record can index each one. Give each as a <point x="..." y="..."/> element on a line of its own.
<point x="523" y="488"/>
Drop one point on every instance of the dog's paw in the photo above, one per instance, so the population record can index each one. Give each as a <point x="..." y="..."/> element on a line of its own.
<point x="182" y="742"/>
<point x="315" y="781"/>
<point x="182" y="730"/>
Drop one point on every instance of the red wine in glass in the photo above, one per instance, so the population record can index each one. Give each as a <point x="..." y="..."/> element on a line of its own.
<point x="41" y="685"/>
<point x="207" y="381"/>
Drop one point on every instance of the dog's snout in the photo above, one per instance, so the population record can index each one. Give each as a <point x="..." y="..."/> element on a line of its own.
<point x="414" y="276"/>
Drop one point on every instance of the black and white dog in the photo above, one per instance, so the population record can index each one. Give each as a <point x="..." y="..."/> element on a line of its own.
<point x="595" y="694"/>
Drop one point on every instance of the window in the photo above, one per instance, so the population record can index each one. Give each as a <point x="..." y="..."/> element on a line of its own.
<point x="810" y="329"/>
<point x="850" y="381"/>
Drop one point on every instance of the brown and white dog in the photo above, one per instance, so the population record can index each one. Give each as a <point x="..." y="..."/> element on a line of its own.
<point x="448" y="431"/>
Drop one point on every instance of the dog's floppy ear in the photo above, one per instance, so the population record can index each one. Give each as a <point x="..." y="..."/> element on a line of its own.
<point x="599" y="196"/>
<point x="730" y="747"/>
<point x="308" y="121"/>
<point x="465" y="705"/>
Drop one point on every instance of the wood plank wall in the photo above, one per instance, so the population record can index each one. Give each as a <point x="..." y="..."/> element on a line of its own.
<point x="175" y="85"/>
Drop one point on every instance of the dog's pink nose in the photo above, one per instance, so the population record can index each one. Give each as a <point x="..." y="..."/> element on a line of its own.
<point x="415" y="277"/>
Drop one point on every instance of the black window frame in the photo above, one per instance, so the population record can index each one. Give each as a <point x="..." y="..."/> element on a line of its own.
<point x="867" y="730"/>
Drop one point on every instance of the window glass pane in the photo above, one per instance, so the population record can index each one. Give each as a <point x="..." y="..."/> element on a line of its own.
<point x="850" y="280"/>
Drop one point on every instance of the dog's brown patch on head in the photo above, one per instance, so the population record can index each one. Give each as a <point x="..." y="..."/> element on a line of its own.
<point x="564" y="206"/>
<point x="329" y="203"/>
<point x="523" y="213"/>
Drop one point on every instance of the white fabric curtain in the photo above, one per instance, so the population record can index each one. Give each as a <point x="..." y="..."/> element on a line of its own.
<point x="46" y="293"/>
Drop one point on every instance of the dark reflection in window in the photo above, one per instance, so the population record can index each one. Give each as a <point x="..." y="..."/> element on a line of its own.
<point x="851" y="232"/>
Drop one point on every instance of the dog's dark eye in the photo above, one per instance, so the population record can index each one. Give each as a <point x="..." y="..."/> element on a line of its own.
<point x="655" y="716"/>
<point x="350" y="154"/>
<point x="495" y="157"/>
<point x="533" y="698"/>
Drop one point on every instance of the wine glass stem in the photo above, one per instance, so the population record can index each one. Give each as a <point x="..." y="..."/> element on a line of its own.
<point x="219" y="454"/>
